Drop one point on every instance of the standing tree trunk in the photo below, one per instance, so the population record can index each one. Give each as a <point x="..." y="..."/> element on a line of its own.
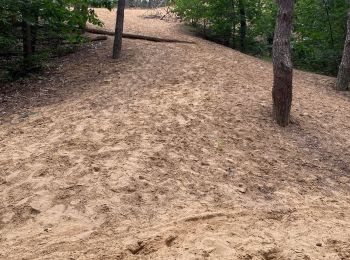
<point x="233" y="24"/>
<point x="117" y="47"/>
<point x="26" y="32"/>
<point x="282" y="92"/>
<point x="27" y="40"/>
<point x="34" y="30"/>
<point x="344" y="69"/>
<point x="329" y="20"/>
<point x="243" y="21"/>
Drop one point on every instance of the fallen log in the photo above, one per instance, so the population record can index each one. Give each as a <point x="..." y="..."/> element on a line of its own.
<point x="98" y="38"/>
<point x="89" y="39"/>
<point x="135" y="36"/>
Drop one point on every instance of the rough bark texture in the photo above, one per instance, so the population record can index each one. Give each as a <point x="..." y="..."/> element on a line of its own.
<point x="30" y="19"/>
<point x="117" y="47"/>
<point x="343" y="81"/>
<point x="282" y="63"/>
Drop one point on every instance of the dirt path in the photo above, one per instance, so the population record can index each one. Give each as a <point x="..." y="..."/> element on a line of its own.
<point x="170" y="153"/>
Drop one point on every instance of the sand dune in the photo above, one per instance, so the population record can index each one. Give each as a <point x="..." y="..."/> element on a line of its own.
<point x="171" y="153"/>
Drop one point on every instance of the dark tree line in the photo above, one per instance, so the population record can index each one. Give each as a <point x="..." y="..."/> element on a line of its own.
<point x="32" y="30"/>
<point x="248" y="25"/>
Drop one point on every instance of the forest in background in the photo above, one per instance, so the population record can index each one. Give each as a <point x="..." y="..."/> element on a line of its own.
<point x="34" y="30"/>
<point x="319" y="28"/>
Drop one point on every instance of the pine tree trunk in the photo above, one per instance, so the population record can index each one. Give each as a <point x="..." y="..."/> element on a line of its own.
<point x="117" y="47"/>
<point x="282" y="91"/>
<point x="34" y="30"/>
<point x="27" y="40"/>
<point x="233" y="24"/>
<point x="343" y="81"/>
<point x="243" y="22"/>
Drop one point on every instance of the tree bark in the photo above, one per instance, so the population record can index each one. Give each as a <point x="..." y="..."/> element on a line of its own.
<point x="233" y="24"/>
<point x="27" y="32"/>
<point x="282" y="92"/>
<point x="34" y="30"/>
<point x="118" y="38"/>
<point x="329" y="20"/>
<point x="136" y="36"/>
<point x="343" y="82"/>
<point x="27" y="40"/>
<point x="243" y="22"/>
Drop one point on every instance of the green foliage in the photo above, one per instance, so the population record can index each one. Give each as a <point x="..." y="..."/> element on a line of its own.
<point x="51" y="24"/>
<point x="320" y="28"/>
<point x="318" y="34"/>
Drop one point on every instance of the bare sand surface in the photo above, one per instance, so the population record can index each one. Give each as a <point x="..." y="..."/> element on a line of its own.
<point x="171" y="153"/>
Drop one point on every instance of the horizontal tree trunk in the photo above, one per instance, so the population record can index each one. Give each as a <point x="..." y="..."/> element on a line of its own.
<point x="98" y="38"/>
<point x="136" y="36"/>
<point x="89" y="39"/>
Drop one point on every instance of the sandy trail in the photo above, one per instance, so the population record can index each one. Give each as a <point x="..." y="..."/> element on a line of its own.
<point x="171" y="153"/>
